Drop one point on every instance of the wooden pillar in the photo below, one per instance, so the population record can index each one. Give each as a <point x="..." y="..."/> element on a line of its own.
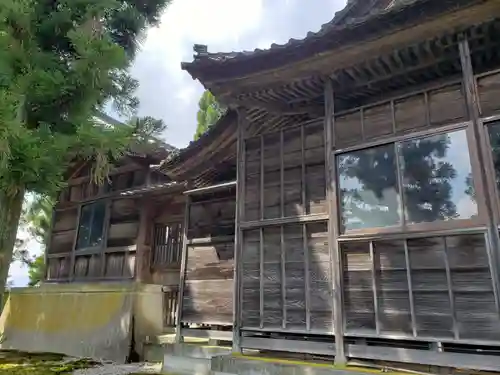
<point x="105" y="230"/>
<point x="47" y="248"/>
<point x="238" y="234"/>
<point x="483" y="193"/>
<point x="143" y="255"/>
<point x="333" y="211"/>
<point x="180" y="296"/>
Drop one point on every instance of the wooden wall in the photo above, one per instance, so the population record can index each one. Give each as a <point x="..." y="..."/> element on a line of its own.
<point x="166" y="240"/>
<point x="417" y="112"/>
<point x="114" y="257"/>
<point x="208" y="289"/>
<point x="425" y="286"/>
<point x="286" y="267"/>
<point x="434" y="282"/>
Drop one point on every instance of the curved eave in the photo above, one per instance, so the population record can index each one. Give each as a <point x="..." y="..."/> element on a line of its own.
<point x="215" y="147"/>
<point x="333" y="36"/>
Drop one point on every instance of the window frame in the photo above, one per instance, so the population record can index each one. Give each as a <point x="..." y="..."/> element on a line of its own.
<point x="86" y="249"/>
<point x="404" y="227"/>
<point x="492" y="187"/>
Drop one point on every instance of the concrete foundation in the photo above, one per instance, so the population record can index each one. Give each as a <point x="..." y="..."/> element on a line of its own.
<point x="191" y="359"/>
<point x="84" y="320"/>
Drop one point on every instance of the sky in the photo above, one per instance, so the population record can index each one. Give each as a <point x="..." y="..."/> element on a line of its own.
<point x="171" y="94"/>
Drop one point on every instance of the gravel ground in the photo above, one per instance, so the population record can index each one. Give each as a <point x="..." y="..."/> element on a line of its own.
<point x="115" y="369"/>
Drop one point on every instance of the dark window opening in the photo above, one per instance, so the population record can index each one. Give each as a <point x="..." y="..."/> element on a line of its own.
<point x="91" y="226"/>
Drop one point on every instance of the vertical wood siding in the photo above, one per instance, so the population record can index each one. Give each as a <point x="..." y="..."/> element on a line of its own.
<point x="449" y="293"/>
<point x="208" y="290"/>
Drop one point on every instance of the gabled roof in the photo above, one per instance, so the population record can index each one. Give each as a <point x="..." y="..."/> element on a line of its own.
<point x="357" y="22"/>
<point x="152" y="149"/>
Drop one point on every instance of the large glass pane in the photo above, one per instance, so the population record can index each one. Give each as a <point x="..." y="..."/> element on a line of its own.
<point x="437" y="179"/>
<point x="97" y="224"/>
<point x="368" y="187"/>
<point x="84" y="227"/>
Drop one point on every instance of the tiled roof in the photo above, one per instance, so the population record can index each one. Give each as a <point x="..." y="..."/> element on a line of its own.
<point x="344" y="18"/>
<point x="346" y="28"/>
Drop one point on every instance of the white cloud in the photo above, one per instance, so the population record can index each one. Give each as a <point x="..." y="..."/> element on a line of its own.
<point x="169" y="93"/>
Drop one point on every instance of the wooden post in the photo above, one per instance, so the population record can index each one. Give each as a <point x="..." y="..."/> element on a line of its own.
<point x="331" y="194"/>
<point x="477" y="129"/>
<point x="178" y="327"/>
<point x="410" y="290"/>
<point x="105" y="231"/>
<point x="143" y="253"/>
<point x="47" y="248"/>
<point x="238" y="234"/>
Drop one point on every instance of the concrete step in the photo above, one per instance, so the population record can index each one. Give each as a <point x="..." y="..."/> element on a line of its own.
<point x="190" y="358"/>
<point x="236" y="364"/>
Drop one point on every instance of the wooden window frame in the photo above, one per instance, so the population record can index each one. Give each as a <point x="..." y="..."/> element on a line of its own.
<point x="90" y="249"/>
<point x="404" y="227"/>
<point x="491" y="187"/>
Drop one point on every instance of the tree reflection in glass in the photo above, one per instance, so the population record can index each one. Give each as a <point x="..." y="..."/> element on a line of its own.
<point x="368" y="187"/>
<point x="435" y="174"/>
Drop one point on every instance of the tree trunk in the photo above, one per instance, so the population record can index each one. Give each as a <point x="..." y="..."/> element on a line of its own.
<point x="10" y="213"/>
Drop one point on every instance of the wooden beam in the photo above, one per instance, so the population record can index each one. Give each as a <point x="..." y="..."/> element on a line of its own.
<point x="238" y="234"/>
<point x="333" y="224"/>
<point x="182" y="282"/>
<point x="211" y="189"/>
<point x="284" y="220"/>
<point x="293" y="346"/>
<point x="283" y="108"/>
<point x="476" y="127"/>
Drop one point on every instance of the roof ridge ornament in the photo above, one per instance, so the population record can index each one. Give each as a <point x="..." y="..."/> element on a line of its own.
<point x="200" y="50"/>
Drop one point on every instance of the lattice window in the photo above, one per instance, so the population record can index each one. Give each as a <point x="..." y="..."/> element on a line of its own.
<point x="167" y="245"/>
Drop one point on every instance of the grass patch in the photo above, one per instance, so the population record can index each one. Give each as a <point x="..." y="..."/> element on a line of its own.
<point x="19" y="363"/>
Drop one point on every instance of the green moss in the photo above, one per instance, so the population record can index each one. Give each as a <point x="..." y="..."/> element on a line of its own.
<point x="18" y="363"/>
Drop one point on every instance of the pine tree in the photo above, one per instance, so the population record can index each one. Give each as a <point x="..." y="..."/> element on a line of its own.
<point x="60" y="62"/>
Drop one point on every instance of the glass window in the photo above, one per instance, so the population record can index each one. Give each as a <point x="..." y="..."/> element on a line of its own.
<point x="434" y="178"/>
<point x="368" y="186"/>
<point x="437" y="181"/>
<point x="90" y="229"/>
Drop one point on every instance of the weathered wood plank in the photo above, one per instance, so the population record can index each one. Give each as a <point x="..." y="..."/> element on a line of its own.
<point x="208" y="302"/>
<point x="123" y="230"/>
<point x="210" y="262"/>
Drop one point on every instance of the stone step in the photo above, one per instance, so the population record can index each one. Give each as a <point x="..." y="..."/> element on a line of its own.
<point x="190" y="358"/>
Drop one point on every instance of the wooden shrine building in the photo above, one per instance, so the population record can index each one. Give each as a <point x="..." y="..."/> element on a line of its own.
<point x="346" y="205"/>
